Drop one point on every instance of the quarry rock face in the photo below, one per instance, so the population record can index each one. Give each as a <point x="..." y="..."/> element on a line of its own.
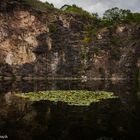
<point x="50" y="43"/>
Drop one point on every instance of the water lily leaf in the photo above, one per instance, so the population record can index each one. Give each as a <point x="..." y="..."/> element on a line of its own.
<point x="71" y="97"/>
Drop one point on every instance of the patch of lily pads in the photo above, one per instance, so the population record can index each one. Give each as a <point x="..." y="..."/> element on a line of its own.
<point x="71" y="97"/>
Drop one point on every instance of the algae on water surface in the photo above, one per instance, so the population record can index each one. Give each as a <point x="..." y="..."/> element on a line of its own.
<point x="71" y="97"/>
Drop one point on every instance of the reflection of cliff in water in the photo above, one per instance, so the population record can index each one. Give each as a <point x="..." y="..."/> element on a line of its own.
<point x="115" y="118"/>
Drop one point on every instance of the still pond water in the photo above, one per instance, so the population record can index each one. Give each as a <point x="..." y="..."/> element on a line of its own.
<point x="112" y="119"/>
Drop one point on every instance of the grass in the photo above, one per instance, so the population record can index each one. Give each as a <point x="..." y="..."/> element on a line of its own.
<point x="71" y="97"/>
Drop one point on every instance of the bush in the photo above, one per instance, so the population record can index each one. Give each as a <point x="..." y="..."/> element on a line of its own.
<point x="38" y="4"/>
<point x="87" y="39"/>
<point x="75" y="10"/>
<point x="89" y="33"/>
<point x="115" y="16"/>
<point x="136" y="17"/>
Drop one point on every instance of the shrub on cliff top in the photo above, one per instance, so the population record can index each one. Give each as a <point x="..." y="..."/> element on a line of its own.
<point x="115" y="16"/>
<point x="39" y="5"/>
<point x="75" y="10"/>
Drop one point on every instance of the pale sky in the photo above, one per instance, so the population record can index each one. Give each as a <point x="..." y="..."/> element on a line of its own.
<point x="99" y="6"/>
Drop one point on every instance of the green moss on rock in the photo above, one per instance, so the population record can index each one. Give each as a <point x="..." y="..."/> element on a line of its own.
<point x="71" y="97"/>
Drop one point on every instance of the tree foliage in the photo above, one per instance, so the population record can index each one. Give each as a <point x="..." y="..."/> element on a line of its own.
<point x="116" y="15"/>
<point x="110" y="17"/>
<point x="75" y="10"/>
<point x="38" y="4"/>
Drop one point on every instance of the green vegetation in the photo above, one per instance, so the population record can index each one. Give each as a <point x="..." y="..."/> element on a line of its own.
<point x="111" y="16"/>
<point x="52" y="28"/>
<point x="89" y="33"/>
<point x="71" y="97"/>
<point x="111" y="19"/>
<point x="116" y="16"/>
<point x="74" y="10"/>
<point x="87" y="39"/>
<point x="136" y="17"/>
<point x="89" y="36"/>
<point x="39" y="5"/>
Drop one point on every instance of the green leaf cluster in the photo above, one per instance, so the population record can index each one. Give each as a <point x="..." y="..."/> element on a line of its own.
<point x="71" y="97"/>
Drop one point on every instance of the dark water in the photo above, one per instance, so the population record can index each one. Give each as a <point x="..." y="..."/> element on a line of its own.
<point x="113" y="119"/>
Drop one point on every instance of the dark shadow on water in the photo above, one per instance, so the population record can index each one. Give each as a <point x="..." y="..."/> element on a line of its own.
<point x="112" y="119"/>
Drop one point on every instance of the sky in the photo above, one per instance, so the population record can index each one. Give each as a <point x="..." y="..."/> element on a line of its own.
<point x="99" y="6"/>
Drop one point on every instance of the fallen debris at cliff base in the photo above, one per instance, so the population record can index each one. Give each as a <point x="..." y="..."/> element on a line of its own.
<point x="71" y="97"/>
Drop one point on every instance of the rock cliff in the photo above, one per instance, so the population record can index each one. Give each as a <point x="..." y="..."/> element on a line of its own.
<point x="51" y="43"/>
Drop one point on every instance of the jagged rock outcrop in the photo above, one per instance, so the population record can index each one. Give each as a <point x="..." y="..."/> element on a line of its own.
<point x="119" y="52"/>
<point x="50" y="43"/>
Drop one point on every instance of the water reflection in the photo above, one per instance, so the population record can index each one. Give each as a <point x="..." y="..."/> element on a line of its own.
<point x="112" y="119"/>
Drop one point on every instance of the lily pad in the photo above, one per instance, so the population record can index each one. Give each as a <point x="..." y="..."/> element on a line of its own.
<point x="71" y="97"/>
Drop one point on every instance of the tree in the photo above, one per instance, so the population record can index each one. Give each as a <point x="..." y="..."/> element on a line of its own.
<point x="116" y="15"/>
<point x="136" y="17"/>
